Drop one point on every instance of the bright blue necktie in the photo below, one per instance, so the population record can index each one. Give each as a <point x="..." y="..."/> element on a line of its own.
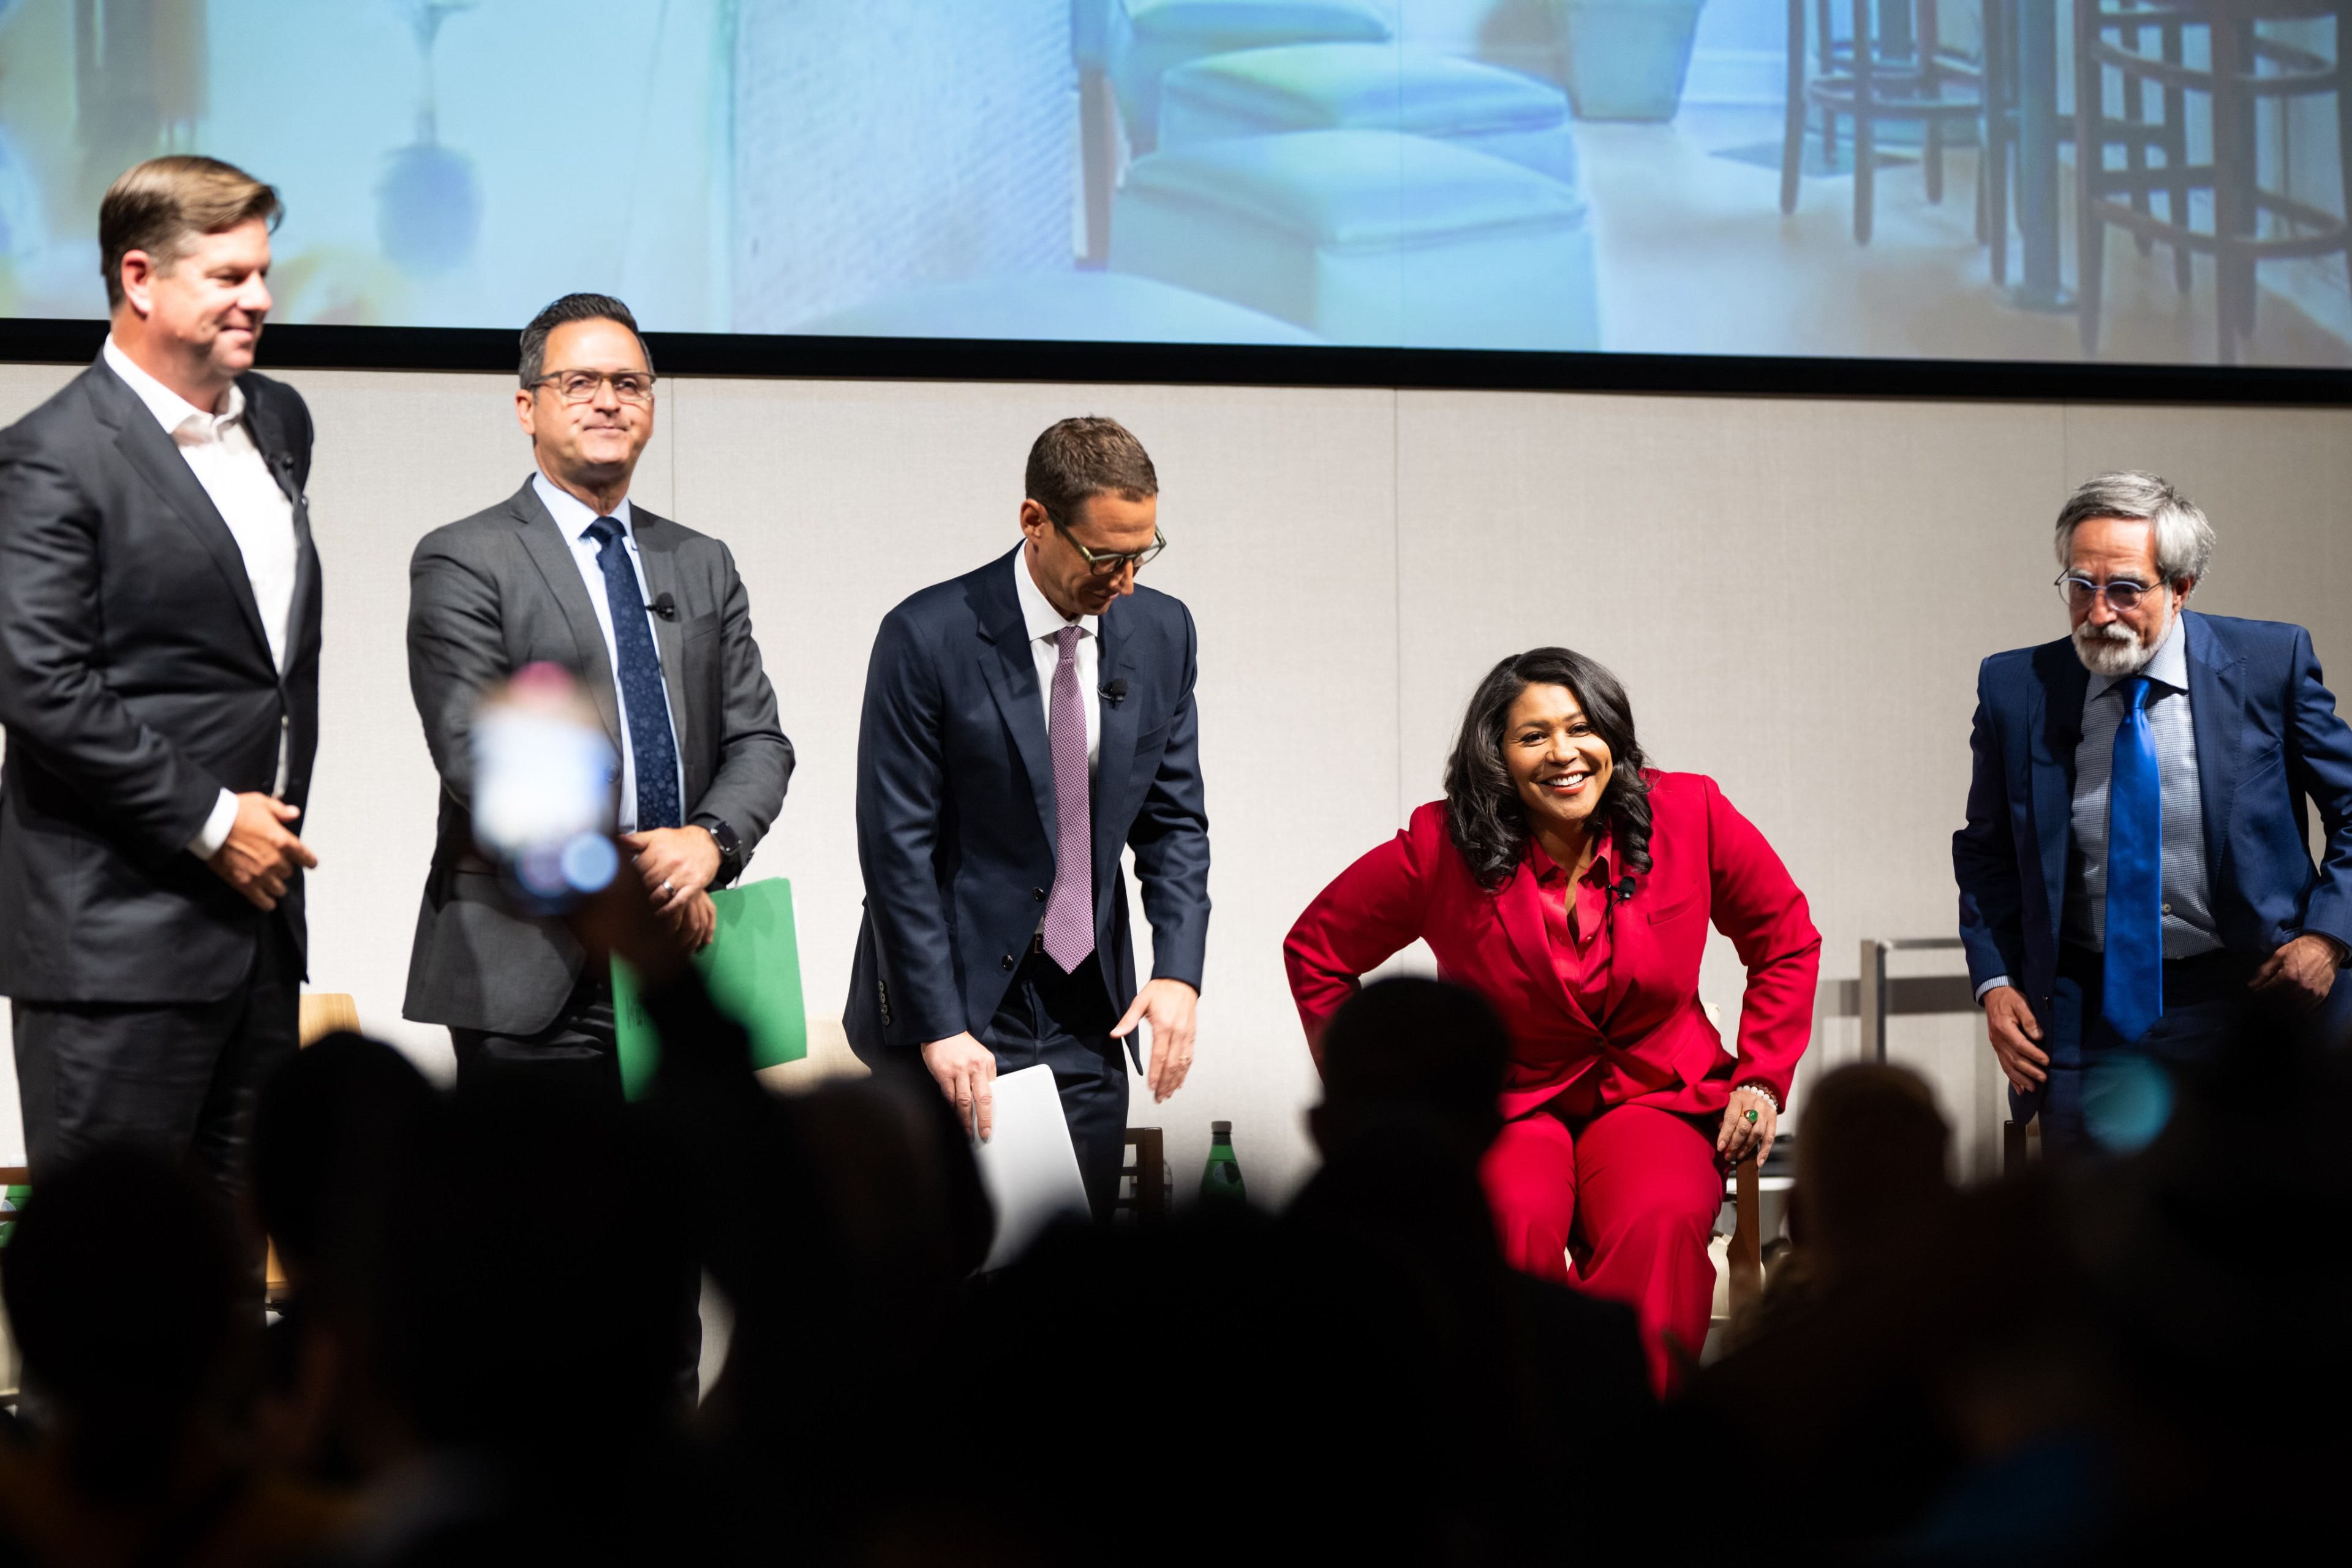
<point x="2134" y="971"/>
<point x="651" y="746"/>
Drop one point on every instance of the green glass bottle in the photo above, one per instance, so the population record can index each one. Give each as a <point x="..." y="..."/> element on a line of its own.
<point x="1220" y="1179"/>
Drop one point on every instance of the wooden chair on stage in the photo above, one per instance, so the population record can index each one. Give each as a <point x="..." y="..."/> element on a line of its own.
<point x="1144" y="1180"/>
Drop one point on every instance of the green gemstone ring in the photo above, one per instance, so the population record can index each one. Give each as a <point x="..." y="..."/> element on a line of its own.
<point x="1751" y="1118"/>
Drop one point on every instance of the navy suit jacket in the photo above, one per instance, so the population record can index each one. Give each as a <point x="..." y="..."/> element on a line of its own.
<point x="2267" y="737"/>
<point x="956" y="808"/>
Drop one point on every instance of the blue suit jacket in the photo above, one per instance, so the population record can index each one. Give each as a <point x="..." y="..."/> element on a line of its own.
<point x="956" y="808"/>
<point x="2267" y="737"/>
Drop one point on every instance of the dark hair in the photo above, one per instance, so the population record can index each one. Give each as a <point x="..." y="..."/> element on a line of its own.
<point x="573" y="308"/>
<point x="1087" y="457"/>
<point x="159" y="206"/>
<point x="1482" y="804"/>
<point x="122" y="1284"/>
<point x="1409" y="1040"/>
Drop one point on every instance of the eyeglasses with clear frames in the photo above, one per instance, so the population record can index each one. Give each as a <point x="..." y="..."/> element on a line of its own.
<point x="1105" y="564"/>
<point x="2123" y="594"/>
<point x="632" y="386"/>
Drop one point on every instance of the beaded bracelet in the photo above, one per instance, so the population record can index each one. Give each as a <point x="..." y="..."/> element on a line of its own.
<point x="1753" y="1087"/>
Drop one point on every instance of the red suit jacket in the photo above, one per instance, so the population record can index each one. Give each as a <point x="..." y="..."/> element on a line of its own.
<point x="1653" y="1044"/>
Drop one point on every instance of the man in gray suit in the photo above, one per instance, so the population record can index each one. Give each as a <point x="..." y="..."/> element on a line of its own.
<point x="654" y="622"/>
<point x="159" y="607"/>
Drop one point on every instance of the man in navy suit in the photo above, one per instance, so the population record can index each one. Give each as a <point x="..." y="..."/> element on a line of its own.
<point x="1023" y="723"/>
<point x="2136" y="882"/>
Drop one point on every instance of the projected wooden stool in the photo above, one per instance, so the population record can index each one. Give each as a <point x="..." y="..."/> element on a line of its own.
<point x="1366" y="237"/>
<point x="1894" y="68"/>
<point x="2247" y="69"/>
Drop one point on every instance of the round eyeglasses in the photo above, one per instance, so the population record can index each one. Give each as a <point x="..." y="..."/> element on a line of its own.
<point x="2123" y="594"/>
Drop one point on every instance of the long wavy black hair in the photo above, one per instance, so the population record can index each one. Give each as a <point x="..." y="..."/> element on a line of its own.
<point x="1483" y="809"/>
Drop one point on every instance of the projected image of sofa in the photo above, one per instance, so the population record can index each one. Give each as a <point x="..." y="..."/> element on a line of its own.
<point x="1142" y="40"/>
<point x="1366" y="237"/>
<point x="1059" y="307"/>
<point x="1370" y="87"/>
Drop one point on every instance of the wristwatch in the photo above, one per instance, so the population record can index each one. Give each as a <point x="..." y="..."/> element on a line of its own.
<point x="731" y="848"/>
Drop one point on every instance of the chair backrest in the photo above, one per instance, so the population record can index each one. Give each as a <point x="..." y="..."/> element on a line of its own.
<point x="1143" y="1190"/>
<point x="325" y="1012"/>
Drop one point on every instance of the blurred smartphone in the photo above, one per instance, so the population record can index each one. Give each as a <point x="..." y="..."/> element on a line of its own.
<point x="546" y="786"/>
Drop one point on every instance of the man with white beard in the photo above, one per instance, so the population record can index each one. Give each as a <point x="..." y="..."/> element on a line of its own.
<point x="2137" y="887"/>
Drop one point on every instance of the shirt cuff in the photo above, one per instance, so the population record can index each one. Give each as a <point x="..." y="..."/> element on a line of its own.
<point x="214" y="832"/>
<point x="1996" y="980"/>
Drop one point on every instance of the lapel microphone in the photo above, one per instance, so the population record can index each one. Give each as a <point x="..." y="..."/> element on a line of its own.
<point x="665" y="607"/>
<point x="1116" y="690"/>
<point x="1623" y="887"/>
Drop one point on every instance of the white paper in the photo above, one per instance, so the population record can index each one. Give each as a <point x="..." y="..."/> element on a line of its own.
<point x="1027" y="1163"/>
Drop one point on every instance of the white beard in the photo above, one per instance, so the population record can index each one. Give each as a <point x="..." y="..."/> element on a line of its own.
<point x="2111" y="650"/>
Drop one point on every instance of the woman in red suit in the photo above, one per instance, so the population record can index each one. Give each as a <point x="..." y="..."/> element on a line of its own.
<point x="1573" y="886"/>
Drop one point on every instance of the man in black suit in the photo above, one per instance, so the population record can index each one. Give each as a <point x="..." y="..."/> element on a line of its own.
<point x="1023" y="723"/>
<point x="654" y="622"/>
<point x="159" y="681"/>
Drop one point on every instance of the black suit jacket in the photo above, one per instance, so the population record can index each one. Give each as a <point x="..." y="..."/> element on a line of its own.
<point x="500" y="590"/>
<point x="956" y="809"/>
<point x="136" y="683"/>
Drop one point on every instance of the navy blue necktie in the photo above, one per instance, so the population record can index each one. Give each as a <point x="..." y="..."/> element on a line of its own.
<point x="2134" y="969"/>
<point x="652" y="748"/>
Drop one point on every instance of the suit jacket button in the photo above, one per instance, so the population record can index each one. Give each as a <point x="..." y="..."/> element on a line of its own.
<point x="1038" y="894"/>
<point x="1008" y="961"/>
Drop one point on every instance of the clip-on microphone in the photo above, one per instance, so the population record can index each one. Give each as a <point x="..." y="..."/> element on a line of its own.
<point x="1623" y="887"/>
<point x="1116" y="690"/>
<point x="665" y="607"/>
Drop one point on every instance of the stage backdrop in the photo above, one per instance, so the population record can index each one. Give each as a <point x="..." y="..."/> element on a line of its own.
<point x="1796" y="594"/>
<point x="1514" y="175"/>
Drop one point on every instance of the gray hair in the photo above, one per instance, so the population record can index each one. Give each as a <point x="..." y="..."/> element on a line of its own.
<point x="2184" y="539"/>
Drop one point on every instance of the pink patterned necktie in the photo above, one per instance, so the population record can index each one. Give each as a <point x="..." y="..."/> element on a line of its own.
<point x="1070" y="911"/>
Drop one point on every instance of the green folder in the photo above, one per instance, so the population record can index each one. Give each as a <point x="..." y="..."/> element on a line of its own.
<point x="753" y="967"/>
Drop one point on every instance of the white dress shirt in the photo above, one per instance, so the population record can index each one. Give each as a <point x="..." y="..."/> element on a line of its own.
<point x="573" y="518"/>
<point x="221" y="452"/>
<point x="2188" y="924"/>
<point x="1045" y="624"/>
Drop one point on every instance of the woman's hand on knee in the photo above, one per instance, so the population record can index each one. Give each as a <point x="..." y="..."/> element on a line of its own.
<point x="1749" y="1124"/>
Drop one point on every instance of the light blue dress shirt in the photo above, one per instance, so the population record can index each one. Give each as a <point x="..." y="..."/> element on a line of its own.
<point x="574" y="516"/>
<point x="2189" y="925"/>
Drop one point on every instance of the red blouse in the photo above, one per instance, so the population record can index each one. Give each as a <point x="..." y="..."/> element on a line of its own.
<point x="1648" y="1041"/>
<point x="1580" y="947"/>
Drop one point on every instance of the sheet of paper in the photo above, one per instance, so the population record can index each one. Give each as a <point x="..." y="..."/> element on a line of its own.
<point x="1028" y="1163"/>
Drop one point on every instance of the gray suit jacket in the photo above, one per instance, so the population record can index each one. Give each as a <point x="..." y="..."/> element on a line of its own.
<point x="136" y="683"/>
<point x="498" y="591"/>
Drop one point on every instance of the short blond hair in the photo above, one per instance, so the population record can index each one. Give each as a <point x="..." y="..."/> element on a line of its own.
<point x="160" y="205"/>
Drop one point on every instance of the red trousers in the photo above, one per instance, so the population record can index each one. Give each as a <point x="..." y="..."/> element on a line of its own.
<point x="1636" y="1191"/>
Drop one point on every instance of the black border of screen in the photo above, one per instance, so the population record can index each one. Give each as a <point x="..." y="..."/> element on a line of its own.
<point x="29" y="340"/>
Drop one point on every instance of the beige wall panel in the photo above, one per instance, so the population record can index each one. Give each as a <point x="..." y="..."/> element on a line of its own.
<point x="840" y="499"/>
<point x="2277" y="483"/>
<point x="1797" y="596"/>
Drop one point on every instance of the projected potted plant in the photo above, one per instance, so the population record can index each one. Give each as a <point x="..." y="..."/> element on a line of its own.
<point x="1624" y="60"/>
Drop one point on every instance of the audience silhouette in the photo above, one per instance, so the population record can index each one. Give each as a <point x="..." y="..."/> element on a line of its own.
<point x="477" y="1358"/>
